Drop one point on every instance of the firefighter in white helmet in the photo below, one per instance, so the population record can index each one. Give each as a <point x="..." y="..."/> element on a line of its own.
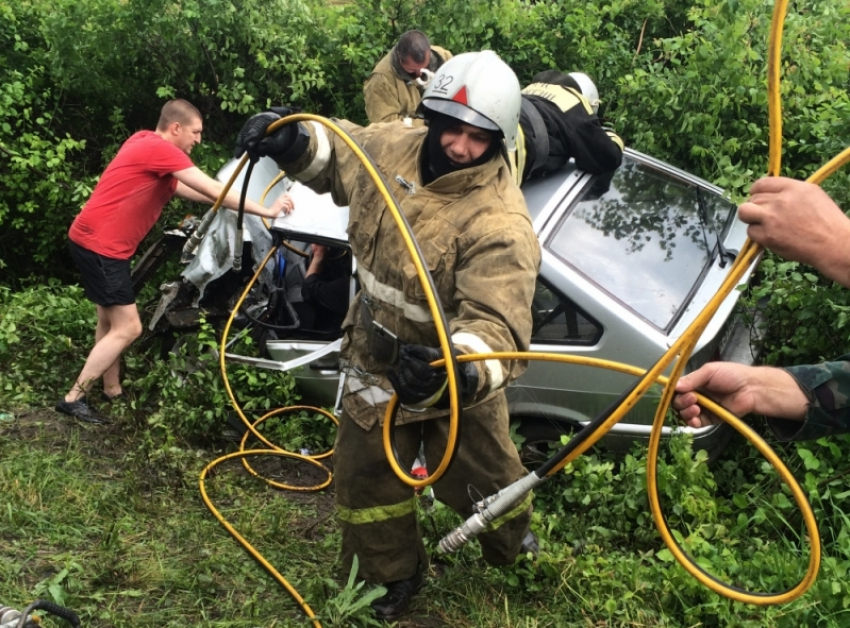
<point x="558" y="122"/>
<point x="453" y="183"/>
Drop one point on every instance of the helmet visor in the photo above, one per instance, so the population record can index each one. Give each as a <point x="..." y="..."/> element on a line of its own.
<point x="460" y="112"/>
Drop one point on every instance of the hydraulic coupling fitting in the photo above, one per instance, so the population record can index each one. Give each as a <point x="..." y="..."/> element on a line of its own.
<point x="459" y="537"/>
<point x="489" y="509"/>
<point x="11" y="618"/>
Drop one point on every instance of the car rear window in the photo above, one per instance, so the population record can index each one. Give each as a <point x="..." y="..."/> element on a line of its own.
<point x="644" y="237"/>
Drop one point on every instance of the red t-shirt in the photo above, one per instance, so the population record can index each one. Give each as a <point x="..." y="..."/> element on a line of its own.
<point x="129" y="197"/>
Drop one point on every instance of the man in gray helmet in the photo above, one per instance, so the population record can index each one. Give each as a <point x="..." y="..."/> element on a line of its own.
<point x="558" y="122"/>
<point x="455" y="188"/>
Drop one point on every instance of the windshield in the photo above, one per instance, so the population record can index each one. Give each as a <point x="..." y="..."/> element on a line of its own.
<point x="639" y="234"/>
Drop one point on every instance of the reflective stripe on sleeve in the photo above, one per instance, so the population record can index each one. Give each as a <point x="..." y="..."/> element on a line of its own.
<point x="322" y="156"/>
<point x="565" y="98"/>
<point x="493" y="367"/>
<point x="517" y="157"/>
<point x="616" y="139"/>
<point x="377" y="514"/>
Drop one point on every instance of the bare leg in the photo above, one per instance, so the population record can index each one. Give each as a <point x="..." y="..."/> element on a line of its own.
<point x="112" y="375"/>
<point x="117" y="327"/>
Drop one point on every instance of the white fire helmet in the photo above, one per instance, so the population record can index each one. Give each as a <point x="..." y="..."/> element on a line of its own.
<point x="588" y="89"/>
<point x="477" y="88"/>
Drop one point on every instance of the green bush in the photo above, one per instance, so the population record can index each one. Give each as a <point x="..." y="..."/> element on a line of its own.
<point x="806" y="316"/>
<point x="45" y="335"/>
<point x="185" y="396"/>
<point x="683" y="80"/>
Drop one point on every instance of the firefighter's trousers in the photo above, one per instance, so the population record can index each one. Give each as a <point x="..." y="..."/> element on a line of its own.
<point x="377" y="510"/>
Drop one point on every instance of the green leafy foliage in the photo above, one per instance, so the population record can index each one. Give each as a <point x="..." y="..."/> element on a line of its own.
<point x="125" y="541"/>
<point x="37" y="153"/>
<point x="806" y="316"/>
<point x="42" y="329"/>
<point x="683" y="80"/>
<point x="350" y="607"/>
<point x="190" y="397"/>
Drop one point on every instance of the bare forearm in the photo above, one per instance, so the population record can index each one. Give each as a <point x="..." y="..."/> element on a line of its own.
<point x="231" y="201"/>
<point x="194" y="185"/>
<point x="836" y="265"/>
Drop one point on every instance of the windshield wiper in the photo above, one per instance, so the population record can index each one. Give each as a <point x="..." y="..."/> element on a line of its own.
<point x="706" y="218"/>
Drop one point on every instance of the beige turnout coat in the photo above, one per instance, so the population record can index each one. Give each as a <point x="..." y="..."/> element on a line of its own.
<point x="477" y="240"/>
<point x="390" y="95"/>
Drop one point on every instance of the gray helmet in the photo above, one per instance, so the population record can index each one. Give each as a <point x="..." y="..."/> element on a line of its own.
<point x="477" y="88"/>
<point x="587" y="88"/>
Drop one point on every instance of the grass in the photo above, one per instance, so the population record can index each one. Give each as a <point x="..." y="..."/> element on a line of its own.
<point x="108" y="520"/>
<point x="125" y="545"/>
<point x="91" y="521"/>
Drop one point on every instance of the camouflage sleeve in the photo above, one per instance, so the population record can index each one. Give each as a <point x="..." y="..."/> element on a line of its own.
<point x="827" y="385"/>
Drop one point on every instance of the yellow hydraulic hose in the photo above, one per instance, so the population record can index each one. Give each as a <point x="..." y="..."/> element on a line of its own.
<point x="678" y="352"/>
<point x="774" y="97"/>
<point x="421" y="272"/>
<point x="241" y="539"/>
<point x="251" y="427"/>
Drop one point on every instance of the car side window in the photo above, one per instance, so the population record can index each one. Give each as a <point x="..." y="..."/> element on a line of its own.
<point x="557" y="320"/>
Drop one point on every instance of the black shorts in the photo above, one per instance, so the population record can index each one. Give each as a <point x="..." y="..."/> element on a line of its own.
<point x="106" y="280"/>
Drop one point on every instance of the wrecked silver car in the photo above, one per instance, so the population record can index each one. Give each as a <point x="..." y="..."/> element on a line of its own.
<point x="628" y="260"/>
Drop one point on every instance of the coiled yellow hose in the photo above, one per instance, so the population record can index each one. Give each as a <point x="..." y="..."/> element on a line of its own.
<point x="677" y="353"/>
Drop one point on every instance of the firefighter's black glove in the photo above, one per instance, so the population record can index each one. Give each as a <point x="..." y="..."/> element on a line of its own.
<point x="420" y="385"/>
<point x="253" y="139"/>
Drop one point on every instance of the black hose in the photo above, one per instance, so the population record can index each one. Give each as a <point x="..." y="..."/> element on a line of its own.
<point x="240" y="217"/>
<point x="54" y="609"/>
<point x="583" y="434"/>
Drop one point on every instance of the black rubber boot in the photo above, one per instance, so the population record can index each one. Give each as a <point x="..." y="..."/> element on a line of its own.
<point x="392" y="605"/>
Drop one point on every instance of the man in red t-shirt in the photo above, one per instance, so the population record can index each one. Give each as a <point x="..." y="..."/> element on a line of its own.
<point x="150" y="168"/>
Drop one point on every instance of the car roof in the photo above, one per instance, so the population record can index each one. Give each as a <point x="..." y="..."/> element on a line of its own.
<point x="326" y="221"/>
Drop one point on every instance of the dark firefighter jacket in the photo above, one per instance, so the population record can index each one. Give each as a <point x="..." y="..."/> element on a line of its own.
<point x="557" y="123"/>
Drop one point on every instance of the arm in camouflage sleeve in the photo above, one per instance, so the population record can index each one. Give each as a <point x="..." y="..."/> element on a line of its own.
<point x="803" y="402"/>
<point x="827" y="387"/>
